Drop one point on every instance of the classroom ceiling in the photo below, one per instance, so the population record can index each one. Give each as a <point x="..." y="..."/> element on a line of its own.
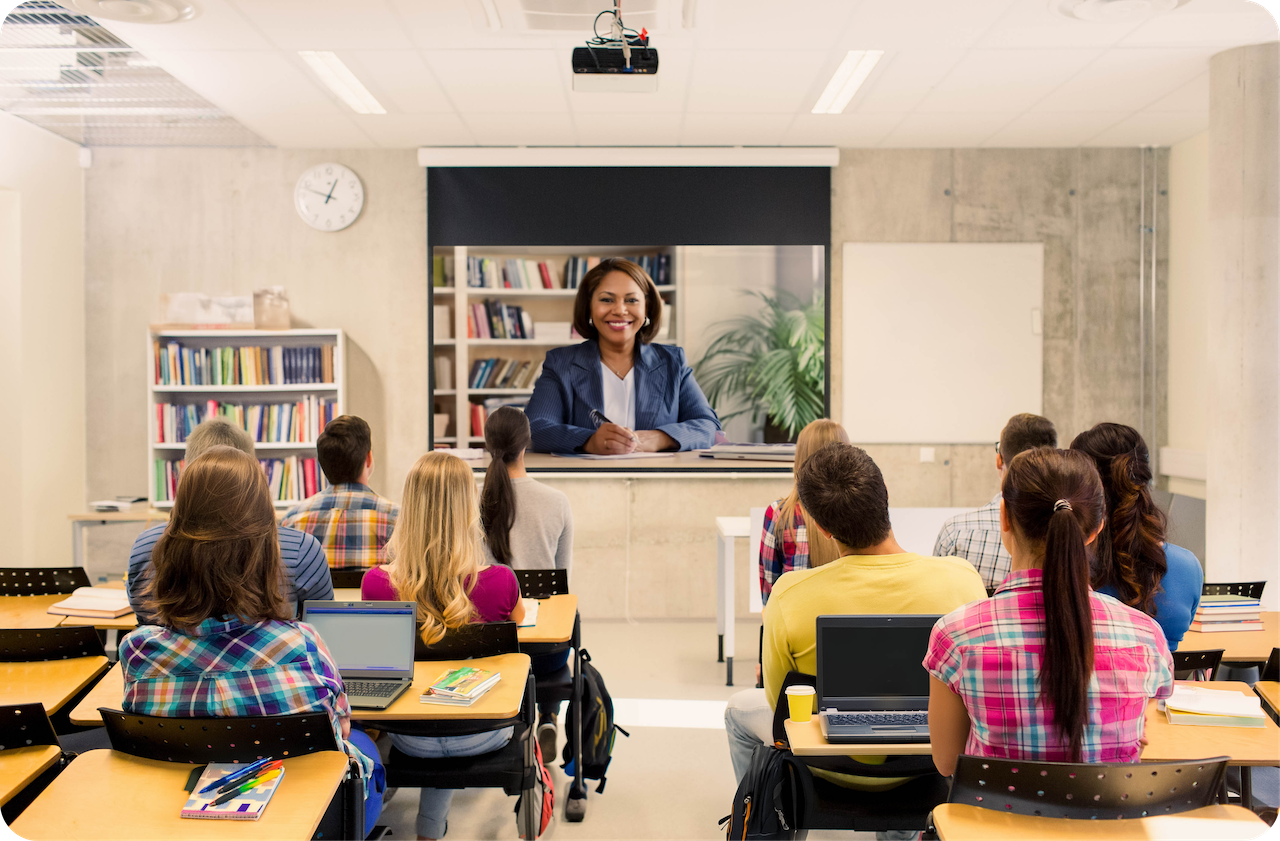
<point x="996" y="73"/>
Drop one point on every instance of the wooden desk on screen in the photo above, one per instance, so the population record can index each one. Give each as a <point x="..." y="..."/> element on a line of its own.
<point x="1238" y="646"/>
<point x="961" y="822"/>
<point x="20" y="766"/>
<point x="1269" y="692"/>
<point x="48" y="682"/>
<point x="30" y="611"/>
<point x="108" y="795"/>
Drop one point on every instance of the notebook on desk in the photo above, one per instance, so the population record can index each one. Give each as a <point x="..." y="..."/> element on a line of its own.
<point x="372" y="645"/>
<point x="871" y="684"/>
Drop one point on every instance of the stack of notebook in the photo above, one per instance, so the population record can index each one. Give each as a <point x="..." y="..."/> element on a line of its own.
<point x="1227" y="613"/>
<point x="460" y="687"/>
<point x="1213" y="707"/>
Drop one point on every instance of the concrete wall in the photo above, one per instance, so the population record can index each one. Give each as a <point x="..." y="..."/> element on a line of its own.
<point x="42" y="322"/>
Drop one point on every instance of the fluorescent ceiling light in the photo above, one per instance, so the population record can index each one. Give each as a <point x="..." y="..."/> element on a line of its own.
<point x="849" y="76"/>
<point x="339" y="79"/>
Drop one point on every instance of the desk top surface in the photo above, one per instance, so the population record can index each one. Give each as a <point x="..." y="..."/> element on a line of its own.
<point x="30" y="611"/>
<point x="1238" y="646"/>
<point x="108" y="692"/>
<point x="140" y="515"/>
<point x="962" y="822"/>
<point x="143" y="798"/>
<point x="555" y="616"/>
<point x="1269" y="692"/>
<point x="807" y="740"/>
<point x="19" y="766"/>
<point x="689" y="463"/>
<point x="48" y="682"/>
<point x="502" y="701"/>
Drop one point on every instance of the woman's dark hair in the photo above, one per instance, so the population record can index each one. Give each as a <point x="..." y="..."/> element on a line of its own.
<point x="591" y="280"/>
<point x="1054" y="498"/>
<point x="1129" y="554"/>
<point x="506" y="435"/>
<point x="220" y="554"/>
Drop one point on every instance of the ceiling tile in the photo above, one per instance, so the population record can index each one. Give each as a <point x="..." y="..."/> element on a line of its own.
<point x="912" y="24"/>
<point x="904" y="78"/>
<point x="1029" y="23"/>
<point x="963" y="130"/>
<point x="849" y="130"/>
<point x="1053" y="129"/>
<point x="1216" y="22"/>
<point x="754" y="81"/>
<point x="797" y="24"/>
<point x="326" y="24"/>
<point x="514" y="81"/>
<point x="1004" y="80"/>
<point x="399" y="79"/>
<point x="219" y="26"/>
<point x="1127" y="79"/>
<point x="1152" y="128"/>
<point x="409" y="131"/>
<point x="648" y="130"/>
<point x="1193" y="96"/>
<point x="734" y="129"/>
<point x="673" y="83"/>
<point x="522" y="129"/>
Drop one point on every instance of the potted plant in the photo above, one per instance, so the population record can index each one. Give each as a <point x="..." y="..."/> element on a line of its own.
<point x="770" y="363"/>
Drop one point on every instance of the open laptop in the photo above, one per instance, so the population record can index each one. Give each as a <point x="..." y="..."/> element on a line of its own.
<point x="871" y="684"/>
<point x="372" y="644"/>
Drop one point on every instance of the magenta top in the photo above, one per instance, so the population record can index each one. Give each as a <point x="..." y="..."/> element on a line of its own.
<point x="495" y="594"/>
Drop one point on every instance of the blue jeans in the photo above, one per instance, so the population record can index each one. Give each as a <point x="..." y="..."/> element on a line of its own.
<point x="378" y="785"/>
<point x="433" y="803"/>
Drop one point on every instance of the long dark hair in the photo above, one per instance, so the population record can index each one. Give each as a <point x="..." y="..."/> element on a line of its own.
<point x="1054" y="497"/>
<point x="1129" y="554"/>
<point x="506" y="435"/>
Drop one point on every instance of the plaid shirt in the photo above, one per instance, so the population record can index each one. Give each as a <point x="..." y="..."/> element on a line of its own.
<point x="352" y="523"/>
<point x="781" y="551"/>
<point x="228" y="668"/>
<point x="989" y="653"/>
<point x="976" y="538"/>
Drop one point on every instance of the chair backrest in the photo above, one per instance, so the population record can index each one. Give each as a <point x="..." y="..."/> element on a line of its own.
<point x="24" y="725"/>
<point x="1271" y="671"/>
<point x="240" y="739"/>
<point x="479" y="639"/>
<point x="347" y="577"/>
<point x="41" y="581"/>
<point x="1084" y="790"/>
<point x="1245" y="589"/>
<point x="540" y="583"/>
<point x="28" y="645"/>
<point x="1202" y="662"/>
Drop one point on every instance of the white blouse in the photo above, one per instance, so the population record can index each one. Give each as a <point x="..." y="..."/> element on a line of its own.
<point x="619" y="396"/>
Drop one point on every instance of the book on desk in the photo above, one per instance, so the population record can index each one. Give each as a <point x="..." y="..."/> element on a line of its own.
<point x="94" y="603"/>
<point x="236" y="805"/>
<point x="460" y="687"/>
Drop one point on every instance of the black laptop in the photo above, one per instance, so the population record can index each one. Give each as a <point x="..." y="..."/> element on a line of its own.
<point x="372" y="645"/>
<point x="871" y="684"/>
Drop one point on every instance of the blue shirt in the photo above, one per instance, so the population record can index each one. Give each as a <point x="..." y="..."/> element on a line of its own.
<point x="307" y="571"/>
<point x="1179" y="596"/>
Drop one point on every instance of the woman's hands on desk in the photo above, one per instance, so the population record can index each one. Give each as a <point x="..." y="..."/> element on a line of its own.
<point x="611" y="439"/>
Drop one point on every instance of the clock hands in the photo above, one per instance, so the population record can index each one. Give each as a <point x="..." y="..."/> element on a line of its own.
<point x="331" y="189"/>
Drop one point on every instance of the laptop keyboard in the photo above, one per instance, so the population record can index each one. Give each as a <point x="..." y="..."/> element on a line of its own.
<point x="860" y="719"/>
<point x="371" y="688"/>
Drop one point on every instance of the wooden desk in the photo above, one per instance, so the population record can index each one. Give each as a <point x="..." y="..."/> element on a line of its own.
<point x="1269" y="692"/>
<point x="807" y="740"/>
<point x="1238" y="646"/>
<point x="108" y="692"/>
<point x="51" y="682"/>
<point x="108" y="795"/>
<point x="101" y="518"/>
<point x="29" y="611"/>
<point x="20" y="766"/>
<point x="555" y="620"/>
<point x="961" y="822"/>
<point x="1248" y="746"/>
<point x="502" y="701"/>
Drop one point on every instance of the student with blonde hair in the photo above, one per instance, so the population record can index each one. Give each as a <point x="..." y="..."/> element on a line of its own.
<point x="787" y="543"/>
<point x="436" y="559"/>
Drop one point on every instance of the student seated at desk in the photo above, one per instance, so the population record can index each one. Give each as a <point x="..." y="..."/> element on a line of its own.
<point x="1131" y="560"/>
<point x="435" y="559"/>
<point x="1046" y="669"/>
<point x="307" y="573"/>
<point x="844" y="496"/>
<point x="226" y="645"/>
<point x="527" y="525"/>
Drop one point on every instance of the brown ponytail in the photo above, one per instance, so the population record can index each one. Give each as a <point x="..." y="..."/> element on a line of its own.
<point x="506" y="435"/>
<point x="1129" y="553"/>
<point x="1054" y="498"/>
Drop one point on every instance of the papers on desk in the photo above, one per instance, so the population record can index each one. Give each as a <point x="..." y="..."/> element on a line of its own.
<point x="464" y="453"/>
<point x="460" y="687"/>
<point x="620" y="455"/>
<point x="247" y="805"/>
<point x="1213" y="707"/>
<point x="94" y="603"/>
<point x="530" y="613"/>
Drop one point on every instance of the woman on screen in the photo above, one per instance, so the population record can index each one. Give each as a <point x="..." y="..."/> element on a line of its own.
<point x="616" y="393"/>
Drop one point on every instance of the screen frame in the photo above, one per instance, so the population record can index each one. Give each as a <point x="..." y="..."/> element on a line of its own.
<point x="339" y="607"/>
<point x="871" y="621"/>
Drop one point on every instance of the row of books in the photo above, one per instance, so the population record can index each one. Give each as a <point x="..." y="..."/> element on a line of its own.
<point x="496" y="320"/>
<point x="496" y="372"/>
<point x="480" y="411"/>
<point x="441" y="270"/>
<point x="514" y="273"/>
<point x="291" y="478"/>
<point x="1227" y="613"/>
<point x="242" y="365"/>
<point x="658" y="267"/>
<point x="267" y="423"/>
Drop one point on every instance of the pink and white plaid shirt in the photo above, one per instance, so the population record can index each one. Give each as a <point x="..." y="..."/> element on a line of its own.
<point x="989" y="653"/>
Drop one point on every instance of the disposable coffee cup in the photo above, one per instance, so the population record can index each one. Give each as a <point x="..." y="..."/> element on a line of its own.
<point x="800" y="702"/>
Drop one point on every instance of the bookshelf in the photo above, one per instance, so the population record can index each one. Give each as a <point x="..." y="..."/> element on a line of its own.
<point x="287" y="431"/>
<point x="543" y="305"/>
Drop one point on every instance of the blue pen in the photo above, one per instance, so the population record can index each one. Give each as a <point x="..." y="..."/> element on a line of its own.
<point x="235" y="775"/>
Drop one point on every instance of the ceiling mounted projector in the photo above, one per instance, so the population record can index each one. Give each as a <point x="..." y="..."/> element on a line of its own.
<point x="135" y="11"/>
<point x="1112" y="11"/>
<point x="623" y="62"/>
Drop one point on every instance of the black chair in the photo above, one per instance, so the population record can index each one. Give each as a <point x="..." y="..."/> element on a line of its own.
<point x="1245" y="589"/>
<point x="243" y="739"/>
<point x="513" y="767"/>
<point x="24" y="726"/>
<point x="347" y="577"/>
<point x="1271" y="670"/>
<point x="1088" y="791"/>
<point x="1196" y="665"/>
<point x="28" y="645"/>
<point x="541" y="583"/>
<point x="824" y="805"/>
<point x="41" y="581"/>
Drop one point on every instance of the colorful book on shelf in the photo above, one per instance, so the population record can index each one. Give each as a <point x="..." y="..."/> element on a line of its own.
<point x="93" y="602"/>
<point x="176" y="364"/>
<point x="460" y="687"/>
<point x="241" y="801"/>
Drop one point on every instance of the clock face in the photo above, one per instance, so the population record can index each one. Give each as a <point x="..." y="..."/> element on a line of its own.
<point x="328" y="197"/>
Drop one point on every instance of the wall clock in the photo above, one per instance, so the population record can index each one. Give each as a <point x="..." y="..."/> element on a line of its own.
<point x="328" y="197"/>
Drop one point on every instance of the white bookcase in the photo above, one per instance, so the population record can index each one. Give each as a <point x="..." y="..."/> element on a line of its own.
<point x="245" y="394"/>
<point x="542" y="304"/>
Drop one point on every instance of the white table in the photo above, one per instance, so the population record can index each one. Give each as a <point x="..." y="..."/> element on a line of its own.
<point x="727" y="529"/>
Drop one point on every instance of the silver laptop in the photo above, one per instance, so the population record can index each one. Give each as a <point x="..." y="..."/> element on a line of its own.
<point x="751" y="452"/>
<point x="372" y="644"/>
<point x="871" y="684"/>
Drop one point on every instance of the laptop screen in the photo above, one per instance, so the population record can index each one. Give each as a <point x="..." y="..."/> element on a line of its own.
<point x="872" y="656"/>
<point x="368" y="637"/>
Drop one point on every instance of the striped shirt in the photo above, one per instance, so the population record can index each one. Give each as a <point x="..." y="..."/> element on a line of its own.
<point x="352" y="523"/>
<point x="781" y="550"/>
<point x="976" y="538"/>
<point x="990" y="653"/>
<point x="308" y="574"/>
<point x="227" y="668"/>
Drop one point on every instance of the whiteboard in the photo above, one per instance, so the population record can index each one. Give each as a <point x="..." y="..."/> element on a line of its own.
<point x="942" y="341"/>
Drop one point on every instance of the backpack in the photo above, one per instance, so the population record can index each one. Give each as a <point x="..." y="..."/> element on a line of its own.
<point x="598" y="729"/>
<point x="541" y="798"/>
<point x="764" y="805"/>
